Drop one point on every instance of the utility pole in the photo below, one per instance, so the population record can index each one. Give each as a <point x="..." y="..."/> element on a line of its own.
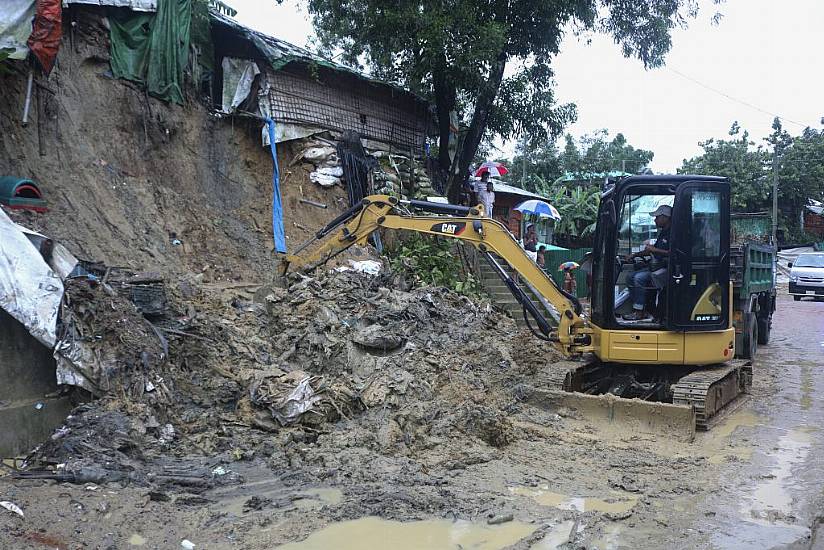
<point x="523" y="158"/>
<point x="775" y="199"/>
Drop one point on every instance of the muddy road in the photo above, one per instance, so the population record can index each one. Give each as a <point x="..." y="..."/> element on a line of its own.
<point x="774" y="496"/>
<point x="457" y="456"/>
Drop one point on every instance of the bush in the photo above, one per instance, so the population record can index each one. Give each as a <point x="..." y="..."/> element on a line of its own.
<point x="429" y="260"/>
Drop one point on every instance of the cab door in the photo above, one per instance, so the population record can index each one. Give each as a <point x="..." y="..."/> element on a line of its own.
<point x="699" y="267"/>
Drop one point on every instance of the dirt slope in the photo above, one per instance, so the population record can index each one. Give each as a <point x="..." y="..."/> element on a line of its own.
<point x="125" y="174"/>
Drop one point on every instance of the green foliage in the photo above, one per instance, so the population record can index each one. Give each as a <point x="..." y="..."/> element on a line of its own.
<point x="800" y="170"/>
<point x="578" y="207"/>
<point x="456" y="54"/>
<point x="430" y="261"/>
<point x="592" y="154"/>
<point x="745" y="165"/>
<point x="5" y="53"/>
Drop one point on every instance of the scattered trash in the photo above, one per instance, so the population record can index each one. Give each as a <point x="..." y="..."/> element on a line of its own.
<point x="312" y="203"/>
<point x="370" y="267"/>
<point x="287" y="397"/>
<point x="499" y="519"/>
<point x="324" y="180"/>
<point x="136" y="540"/>
<point x="12" y="507"/>
<point x="39" y="406"/>
<point x="187" y="544"/>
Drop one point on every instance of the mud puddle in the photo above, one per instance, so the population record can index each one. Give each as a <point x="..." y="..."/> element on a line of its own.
<point x="270" y="493"/>
<point x="372" y="533"/>
<point x="771" y="500"/>
<point x="615" y="503"/>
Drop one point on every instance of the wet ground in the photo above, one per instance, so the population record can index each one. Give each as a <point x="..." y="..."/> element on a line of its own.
<point x="504" y="473"/>
<point x="775" y="495"/>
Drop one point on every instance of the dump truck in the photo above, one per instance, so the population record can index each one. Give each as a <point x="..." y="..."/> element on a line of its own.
<point x="752" y="270"/>
<point x="675" y="368"/>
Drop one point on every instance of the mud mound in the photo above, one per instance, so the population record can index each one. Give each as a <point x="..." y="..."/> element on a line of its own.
<point x="313" y="379"/>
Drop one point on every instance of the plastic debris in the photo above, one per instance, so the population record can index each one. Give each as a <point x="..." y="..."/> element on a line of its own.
<point x="187" y="544"/>
<point x="12" y="507"/>
<point x="370" y="267"/>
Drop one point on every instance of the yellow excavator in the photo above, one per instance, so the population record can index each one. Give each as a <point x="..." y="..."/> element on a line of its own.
<point x="681" y="357"/>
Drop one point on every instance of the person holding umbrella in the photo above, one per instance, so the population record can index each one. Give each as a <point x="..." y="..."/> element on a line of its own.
<point x="570" y="284"/>
<point x="486" y="194"/>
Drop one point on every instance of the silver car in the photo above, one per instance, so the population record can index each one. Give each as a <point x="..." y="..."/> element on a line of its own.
<point x="807" y="275"/>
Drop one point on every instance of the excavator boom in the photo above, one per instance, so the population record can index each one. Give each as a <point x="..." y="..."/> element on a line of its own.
<point x="572" y="336"/>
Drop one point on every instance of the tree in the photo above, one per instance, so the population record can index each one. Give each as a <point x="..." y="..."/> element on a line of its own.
<point x="800" y="175"/>
<point x="596" y="154"/>
<point x="739" y="160"/>
<point x="592" y="154"/>
<point x="579" y="211"/>
<point x="456" y="53"/>
<point x="542" y="168"/>
<point x="800" y="162"/>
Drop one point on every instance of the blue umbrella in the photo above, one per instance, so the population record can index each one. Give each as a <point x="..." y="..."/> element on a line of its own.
<point x="539" y="208"/>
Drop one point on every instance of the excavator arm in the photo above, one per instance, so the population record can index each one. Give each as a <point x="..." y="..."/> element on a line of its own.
<point x="572" y="335"/>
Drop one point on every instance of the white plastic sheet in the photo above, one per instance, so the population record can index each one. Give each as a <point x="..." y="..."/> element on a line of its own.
<point x="30" y="289"/>
<point x="238" y="76"/>
<point x="136" y="5"/>
<point x="15" y="26"/>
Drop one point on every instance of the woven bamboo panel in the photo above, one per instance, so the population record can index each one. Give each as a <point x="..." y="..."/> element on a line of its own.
<point x="341" y="102"/>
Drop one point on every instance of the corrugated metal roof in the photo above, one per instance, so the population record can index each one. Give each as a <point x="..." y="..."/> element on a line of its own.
<point x="591" y="176"/>
<point x="279" y="53"/>
<point x="501" y="187"/>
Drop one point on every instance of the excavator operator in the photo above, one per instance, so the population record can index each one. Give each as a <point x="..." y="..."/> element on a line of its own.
<point x="653" y="275"/>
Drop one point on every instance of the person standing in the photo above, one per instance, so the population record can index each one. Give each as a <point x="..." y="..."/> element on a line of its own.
<point x="487" y="196"/>
<point x="570" y="284"/>
<point x="531" y="239"/>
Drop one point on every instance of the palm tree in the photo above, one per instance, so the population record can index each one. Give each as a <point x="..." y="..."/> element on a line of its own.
<point x="578" y="207"/>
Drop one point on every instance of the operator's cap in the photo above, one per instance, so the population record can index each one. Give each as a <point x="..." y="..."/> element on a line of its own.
<point x="663" y="210"/>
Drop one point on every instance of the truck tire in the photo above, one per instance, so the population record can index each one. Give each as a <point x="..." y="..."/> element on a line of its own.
<point x="797" y="298"/>
<point x="764" y="326"/>
<point x="750" y="338"/>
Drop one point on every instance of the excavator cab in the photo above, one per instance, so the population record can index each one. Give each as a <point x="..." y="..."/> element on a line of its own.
<point x="687" y="290"/>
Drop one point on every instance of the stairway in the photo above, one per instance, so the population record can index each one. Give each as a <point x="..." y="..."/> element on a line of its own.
<point x="500" y="294"/>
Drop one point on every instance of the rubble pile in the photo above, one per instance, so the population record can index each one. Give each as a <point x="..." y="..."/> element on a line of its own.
<point x="343" y="360"/>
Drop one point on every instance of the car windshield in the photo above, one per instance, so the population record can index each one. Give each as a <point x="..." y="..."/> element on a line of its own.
<point x="810" y="260"/>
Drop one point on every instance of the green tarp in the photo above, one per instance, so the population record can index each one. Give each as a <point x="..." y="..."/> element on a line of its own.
<point x="153" y="48"/>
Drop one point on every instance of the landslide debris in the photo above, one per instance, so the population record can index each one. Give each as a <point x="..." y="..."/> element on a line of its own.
<point x="340" y="375"/>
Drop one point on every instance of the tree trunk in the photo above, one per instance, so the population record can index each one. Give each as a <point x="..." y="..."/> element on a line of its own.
<point x="459" y="170"/>
<point x="445" y="98"/>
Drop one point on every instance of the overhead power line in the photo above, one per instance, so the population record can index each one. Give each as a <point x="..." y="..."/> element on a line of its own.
<point x="741" y="101"/>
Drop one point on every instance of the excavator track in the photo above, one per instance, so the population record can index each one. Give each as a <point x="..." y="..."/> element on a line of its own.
<point x="713" y="391"/>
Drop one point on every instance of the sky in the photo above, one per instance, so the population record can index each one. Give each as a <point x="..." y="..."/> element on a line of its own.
<point x="764" y="58"/>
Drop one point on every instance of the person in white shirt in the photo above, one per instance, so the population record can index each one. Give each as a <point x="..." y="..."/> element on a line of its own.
<point x="487" y="198"/>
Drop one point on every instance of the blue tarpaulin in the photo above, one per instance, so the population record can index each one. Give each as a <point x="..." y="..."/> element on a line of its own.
<point x="277" y="203"/>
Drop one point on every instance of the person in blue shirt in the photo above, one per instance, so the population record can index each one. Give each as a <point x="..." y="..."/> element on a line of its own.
<point x="641" y="281"/>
